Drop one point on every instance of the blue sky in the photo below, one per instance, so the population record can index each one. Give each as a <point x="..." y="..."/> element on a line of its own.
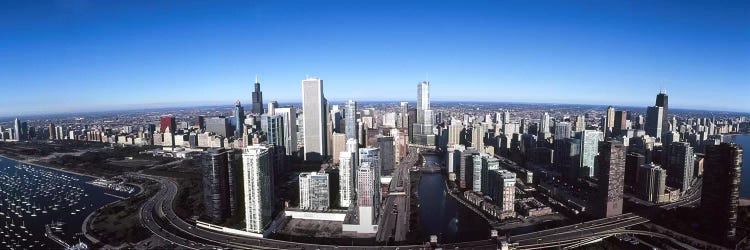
<point x="76" y="55"/>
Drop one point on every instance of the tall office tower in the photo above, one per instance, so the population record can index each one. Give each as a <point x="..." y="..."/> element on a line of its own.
<point x="17" y="132"/>
<point x="234" y="170"/>
<point x="200" y="122"/>
<point x="313" y="191"/>
<point x="273" y="127"/>
<point x="544" y="124"/>
<point x="454" y="133"/>
<point x="652" y="182"/>
<point x="289" y="114"/>
<point x="466" y="168"/>
<point x="680" y="168"/>
<point x="562" y="130"/>
<point x="314" y="118"/>
<point x="257" y="98"/>
<point x="167" y="122"/>
<point x="412" y="118"/>
<point x="239" y="116"/>
<point x="403" y="115"/>
<point x="611" y="179"/>
<point x="489" y="163"/>
<point x="218" y="125"/>
<point x="51" y="129"/>
<point x="502" y="188"/>
<point x="366" y="190"/>
<point x="654" y="119"/>
<point x="621" y="122"/>
<point x="387" y="155"/>
<point x="633" y="161"/>
<point x="640" y="122"/>
<point x="423" y="129"/>
<point x="721" y="189"/>
<point x="338" y="141"/>
<point x="258" y="172"/>
<point x="215" y="170"/>
<point x="347" y="174"/>
<point x="610" y="122"/>
<point x="589" y="150"/>
<point x="477" y="137"/>
<point x="353" y="146"/>
<point x="350" y="119"/>
<point x="662" y="100"/>
<point x="272" y="105"/>
<point x="580" y="123"/>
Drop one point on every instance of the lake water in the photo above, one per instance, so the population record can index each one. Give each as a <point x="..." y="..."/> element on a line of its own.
<point x="32" y="197"/>
<point x="744" y="141"/>
<point x="441" y="215"/>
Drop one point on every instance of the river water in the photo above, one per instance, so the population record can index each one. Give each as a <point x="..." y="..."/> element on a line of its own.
<point x="32" y="196"/>
<point x="441" y="215"/>
<point x="744" y="141"/>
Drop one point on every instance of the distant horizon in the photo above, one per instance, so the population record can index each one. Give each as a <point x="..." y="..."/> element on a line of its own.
<point x="247" y="104"/>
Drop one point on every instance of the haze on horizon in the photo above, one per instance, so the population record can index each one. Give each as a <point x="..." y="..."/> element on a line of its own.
<point x="66" y="56"/>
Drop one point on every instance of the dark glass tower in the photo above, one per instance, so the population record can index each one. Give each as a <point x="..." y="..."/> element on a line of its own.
<point x="257" y="98"/>
<point x="721" y="190"/>
<point x="239" y="116"/>
<point x="214" y="166"/>
<point x="662" y="100"/>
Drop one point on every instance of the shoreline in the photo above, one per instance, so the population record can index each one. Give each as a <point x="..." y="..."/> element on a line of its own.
<point x="52" y="168"/>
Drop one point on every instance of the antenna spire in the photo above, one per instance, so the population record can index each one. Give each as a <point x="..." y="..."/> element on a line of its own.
<point x="256" y="78"/>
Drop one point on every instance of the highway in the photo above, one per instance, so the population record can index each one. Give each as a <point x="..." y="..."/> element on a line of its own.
<point x="574" y="233"/>
<point x="395" y="210"/>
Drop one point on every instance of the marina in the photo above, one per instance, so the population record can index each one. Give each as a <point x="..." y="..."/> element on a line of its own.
<point x="45" y="208"/>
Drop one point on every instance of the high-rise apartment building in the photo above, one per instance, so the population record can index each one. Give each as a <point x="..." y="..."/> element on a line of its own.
<point x="289" y="115"/>
<point x="347" y="176"/>
<point x="611" y="178"/>
<point x="258" y="191"/>
<point x="215" y="170"/>
<point x="721" y="190"/>
<point x="681" y="158"/>
<point x="313" y="191"/>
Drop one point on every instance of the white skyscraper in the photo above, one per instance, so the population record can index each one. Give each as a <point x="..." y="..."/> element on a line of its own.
<point x="544" y="124"/>
<point x="313" y="191"/>
<point x="257" y="169"/>
<point x="289" y="115"/>
<point x="314" y="115"/>
<point x="423" y="129"/>
<point x="347" y="174"/>
<point x="590" y="149"/>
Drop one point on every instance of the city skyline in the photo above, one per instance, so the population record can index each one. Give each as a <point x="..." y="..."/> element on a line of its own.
<point x="609" y="54"/>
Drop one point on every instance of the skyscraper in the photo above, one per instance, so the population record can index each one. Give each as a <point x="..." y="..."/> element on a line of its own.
<point x="651" y="182"/>
<point x="502" y="186"/>
<point x="544" y="125"/>
<point x="313" y="191"/>
<point x="272" y="105"/>
<point x="621" y="122"/>
<point x="289" y="115"/>
<point x="654" y="119"/>
<point x="167" y="122"/>
<point x="258" y="194"/>
<point x="17" y="131"/>
<point x="218" y="125"/>
<point x="562" y="130"/>
<point x="239" y="116"/>
<point x="347" y="175"/>
<point x="273" y="127"/>
<point x="721" y="190"/>
<point x="215" y="170"/>
<point x="422" y="129"/>
<point x="387" y="155"/>
<point x="611" y="179"/>
<point x="477" y="137"/>
<point x="371" y="156"/>
<point x="680" y="168"/>
<point x="314" y="118"/>
<point x="257" y="98"/>
<point x="51" y="129"/>
<point x="589" y="150"/>
<point x="662" y="100"/>
<point x="610" y="119"/>
<point x="350" y="119"/>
